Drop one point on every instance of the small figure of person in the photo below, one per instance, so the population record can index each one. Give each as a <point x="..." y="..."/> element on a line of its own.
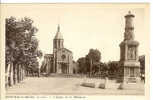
<point x="143" y="77"/>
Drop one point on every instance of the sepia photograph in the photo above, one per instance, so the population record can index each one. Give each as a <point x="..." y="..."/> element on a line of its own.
<point x="78" y="49"/>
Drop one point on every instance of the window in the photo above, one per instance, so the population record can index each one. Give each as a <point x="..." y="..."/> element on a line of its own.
<point x="63" y="56"/>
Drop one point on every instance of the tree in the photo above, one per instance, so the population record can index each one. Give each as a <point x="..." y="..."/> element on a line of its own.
<point x="81" y="64"/>
<point x="94" y="55"/>
<point x="39" y="54"/>
<point x="90" y="63"/>
<point x="113" y="68"/>
<point x="104" y="68"/>
<point x="93" y="60"/>
<point x="21" y="46"/>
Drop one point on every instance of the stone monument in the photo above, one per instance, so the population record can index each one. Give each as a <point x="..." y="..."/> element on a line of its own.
<point x="129" y="65"/>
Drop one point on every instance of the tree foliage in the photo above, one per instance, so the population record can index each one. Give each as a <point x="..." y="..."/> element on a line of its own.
<point x="90" y="62"/>
<point x="21" y="44"/>
<point x="94" y="55"/>
<point x="81" y="64"/>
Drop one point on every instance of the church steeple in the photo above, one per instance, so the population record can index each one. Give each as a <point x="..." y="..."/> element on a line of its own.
<point x="58" y="34"/>
<point x="58" y="28"/>
<point x="58" y="39"/>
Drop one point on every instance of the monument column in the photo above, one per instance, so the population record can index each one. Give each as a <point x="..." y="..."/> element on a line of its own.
<point x="129" y="64"/>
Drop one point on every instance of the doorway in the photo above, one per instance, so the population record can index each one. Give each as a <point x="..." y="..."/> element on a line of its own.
<point x="64" y="68"/>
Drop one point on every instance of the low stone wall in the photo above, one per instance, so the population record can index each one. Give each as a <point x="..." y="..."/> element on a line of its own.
<point x="92" y="85"/>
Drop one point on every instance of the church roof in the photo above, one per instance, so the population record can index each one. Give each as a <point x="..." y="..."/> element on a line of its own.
<point x="65" y="49"/>
<point x="58" y="34"/>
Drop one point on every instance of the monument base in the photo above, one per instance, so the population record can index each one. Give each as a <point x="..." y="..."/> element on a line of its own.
<point x="132" y="80"/>
<point x="129" y="80"/>
<point x="129" y="72"/>
<point x="131" y="86"/>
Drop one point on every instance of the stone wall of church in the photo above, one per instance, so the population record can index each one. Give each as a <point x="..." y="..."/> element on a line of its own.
<point x="48" y="60"/>
<point x="70" y="64"/>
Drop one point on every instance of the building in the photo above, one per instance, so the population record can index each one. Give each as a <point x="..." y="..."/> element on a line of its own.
<point x="129" y="59"/>
<point x="61" y="61"/>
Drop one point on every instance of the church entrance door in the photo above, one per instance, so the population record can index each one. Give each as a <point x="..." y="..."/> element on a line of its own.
<point x="64" y="67"/>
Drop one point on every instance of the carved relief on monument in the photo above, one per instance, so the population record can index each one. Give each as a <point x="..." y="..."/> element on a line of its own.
<point x="131" y="54"/>
<point x="128" y="35"/>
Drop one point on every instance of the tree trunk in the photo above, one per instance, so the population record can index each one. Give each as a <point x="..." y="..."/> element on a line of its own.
<point x="14" y="73"/>
<point x="10" y="78"/>
<point x="7" y="67"/>
<point x="39" y="72"/>
<point x="90" y="67"/>
<point x="26" y="72"/>
<point x="18" y="73"/>
<point x="22" y="73"/>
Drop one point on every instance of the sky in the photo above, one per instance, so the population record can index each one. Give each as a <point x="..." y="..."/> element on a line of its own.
<point x="85" y="26"/>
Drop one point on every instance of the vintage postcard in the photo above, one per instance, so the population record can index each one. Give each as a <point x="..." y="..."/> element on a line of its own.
<point x="75" y="51"/>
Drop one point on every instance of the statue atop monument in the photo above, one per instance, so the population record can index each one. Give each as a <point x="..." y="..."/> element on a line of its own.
<point x="129" y="27"/>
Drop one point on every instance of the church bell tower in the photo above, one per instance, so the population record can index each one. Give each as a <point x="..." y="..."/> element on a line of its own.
<point x="58" y="40"/>
<point x="57" y="44"/>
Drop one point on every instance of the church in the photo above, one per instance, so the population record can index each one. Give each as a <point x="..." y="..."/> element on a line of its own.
<point x="61" y="61"/>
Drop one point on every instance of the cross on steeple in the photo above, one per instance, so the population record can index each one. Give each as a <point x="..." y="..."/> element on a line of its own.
<point x="58" y="33"/>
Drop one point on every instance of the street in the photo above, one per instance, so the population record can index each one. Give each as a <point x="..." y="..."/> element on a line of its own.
<point x="56" y="85"/>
